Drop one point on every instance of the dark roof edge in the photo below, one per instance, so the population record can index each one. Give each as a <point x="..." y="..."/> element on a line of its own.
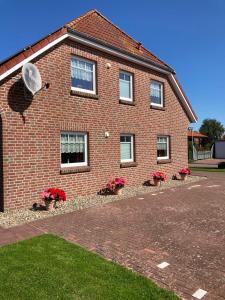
<point x="5" y="60"/>
<point x="146" y="60"/>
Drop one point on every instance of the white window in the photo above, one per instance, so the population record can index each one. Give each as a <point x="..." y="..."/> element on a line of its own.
<point x="83" y="75"/>
<point x="126" y="86"/>
<point x="156" y="95"/>
<point x="163" y="147"/>
<point x="73" y="149"/>
<point x="126" y="147"/>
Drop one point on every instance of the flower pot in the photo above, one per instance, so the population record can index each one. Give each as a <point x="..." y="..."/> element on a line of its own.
<point x="50" y="205"/>
<point x="157" y="182"/>
<point x="183" y="177"/>
<point x="118" y="191"/>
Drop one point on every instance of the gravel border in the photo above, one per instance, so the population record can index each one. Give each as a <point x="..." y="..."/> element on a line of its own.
<point x="22" y="216"/>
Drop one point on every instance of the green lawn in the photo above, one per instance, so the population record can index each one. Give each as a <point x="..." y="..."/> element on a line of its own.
<point x="48" y="267"/>
<point x="202" y="169"/>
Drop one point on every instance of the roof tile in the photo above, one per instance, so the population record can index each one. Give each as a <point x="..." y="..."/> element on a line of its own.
<point x="94" y="24"/>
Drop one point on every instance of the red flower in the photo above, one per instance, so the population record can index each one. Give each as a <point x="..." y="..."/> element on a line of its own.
<point x="159" y="175"/>
<point x="54" y="194"/>
<point x="185" y="171"/>
<point x="116" y="183"/>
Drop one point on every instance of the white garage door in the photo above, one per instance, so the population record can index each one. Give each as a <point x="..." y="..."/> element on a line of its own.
<point x="220" y="149"/>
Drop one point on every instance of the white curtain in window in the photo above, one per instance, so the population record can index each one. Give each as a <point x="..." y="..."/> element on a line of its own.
<point x="72" y="143"/>
<point x="162" y="146"/>
<point x="83" y="71"/>
<point x="156" y="89"/>
<point x="156" y="93"/>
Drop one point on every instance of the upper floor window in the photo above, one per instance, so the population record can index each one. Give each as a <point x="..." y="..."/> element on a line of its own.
<point x="73" y="149"/>
<point x="163" y="147"/>
<point x="156" y="93"/>
<point x="126" y="86"/>
<point x="126" y="148"/>
<point x="83" y="75"/>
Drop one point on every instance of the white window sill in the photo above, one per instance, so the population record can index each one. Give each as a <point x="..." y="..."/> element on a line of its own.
<point x="126" y="99"/>
<point x="83" y="90"/>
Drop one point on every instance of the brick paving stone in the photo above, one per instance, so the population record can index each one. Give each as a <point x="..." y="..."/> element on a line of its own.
<point x="19" y="233"/>
<point x="185" y="229"/>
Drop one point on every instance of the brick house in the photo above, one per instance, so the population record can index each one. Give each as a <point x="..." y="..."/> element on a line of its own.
<point x="112" y="108"/>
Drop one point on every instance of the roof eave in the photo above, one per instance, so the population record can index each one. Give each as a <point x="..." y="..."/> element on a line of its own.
<point x="76" y="33"/>
<point x="97" y="44"/>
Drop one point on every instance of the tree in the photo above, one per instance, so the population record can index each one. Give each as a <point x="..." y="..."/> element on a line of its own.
<point x="213" y="129"/>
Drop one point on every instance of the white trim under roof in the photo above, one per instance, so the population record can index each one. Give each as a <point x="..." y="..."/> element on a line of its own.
<point x="113" y="52"/>
<point x="183" y="99"/>
<point x="32" y="56"/>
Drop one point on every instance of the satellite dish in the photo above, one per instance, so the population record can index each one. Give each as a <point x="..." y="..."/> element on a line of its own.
<point x="31" y="78"/>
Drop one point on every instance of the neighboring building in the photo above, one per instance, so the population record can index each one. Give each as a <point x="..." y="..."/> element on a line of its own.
<point x="198" y="138"/>
<point x="219" y="149"/>
<point x="112" y="109"/>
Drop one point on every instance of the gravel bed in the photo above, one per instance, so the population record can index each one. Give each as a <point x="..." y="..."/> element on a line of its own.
<point x="18" y="217"/>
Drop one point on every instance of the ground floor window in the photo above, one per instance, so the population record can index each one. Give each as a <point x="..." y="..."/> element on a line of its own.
<point x="126" y="148"/>
<point x="73" y="149"/>
<point x="163" y="147"/>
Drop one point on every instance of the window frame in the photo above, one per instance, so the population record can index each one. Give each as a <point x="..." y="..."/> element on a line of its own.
<point x="168" y="147"/>
<point x="73" y="88"/>
<point x="162" y="93"/>
<point x="131" y="86"/>
<point x="79" y="164"/>
<point x="132" y="148"/>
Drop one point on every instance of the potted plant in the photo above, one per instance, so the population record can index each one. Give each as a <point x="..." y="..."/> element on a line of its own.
<point x="116" y="185"/>
<point x="184" y="173"/>
<point x="158" y="177"/>
<point x="51" y="196"/>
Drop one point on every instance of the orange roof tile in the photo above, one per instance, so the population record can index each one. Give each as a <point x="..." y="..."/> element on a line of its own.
<point x="196" y="134"/>
<point x="94" y="24"/>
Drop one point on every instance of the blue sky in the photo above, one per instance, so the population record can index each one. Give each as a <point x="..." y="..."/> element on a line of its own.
<point x="189" y="35"/>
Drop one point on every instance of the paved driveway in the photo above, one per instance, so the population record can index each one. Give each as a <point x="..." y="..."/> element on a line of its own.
<point x="183" y="226"/>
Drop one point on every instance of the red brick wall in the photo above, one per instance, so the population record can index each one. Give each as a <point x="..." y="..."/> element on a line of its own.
<point x="31" y="127"/>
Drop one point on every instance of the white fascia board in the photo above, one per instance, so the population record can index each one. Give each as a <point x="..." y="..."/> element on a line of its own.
<point x="183" y="98"/>
<point x="34" y="55"/>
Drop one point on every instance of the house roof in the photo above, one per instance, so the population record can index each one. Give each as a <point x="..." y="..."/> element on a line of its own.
<point x="196" y="134"/>
<point x="93" y="26"/>
<point x="93" y="23"/>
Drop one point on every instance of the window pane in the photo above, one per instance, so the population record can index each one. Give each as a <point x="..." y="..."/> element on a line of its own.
<point x="125" y="85"/>
<point x="82" y="74"/>
<point x="162" y="147"/>
<point x="72" y="148"/>
<point x="127" y="77"/>
<point x="156" y="93"/>
<point x="162" y="139"/>
<point x="69" y="158"/>
<point x="125" y="151"/>
<point x="122" y="75"/>
<point x="122" y="138"/>
<point x="126" y="148"/>
<point x="125" y="89"/>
